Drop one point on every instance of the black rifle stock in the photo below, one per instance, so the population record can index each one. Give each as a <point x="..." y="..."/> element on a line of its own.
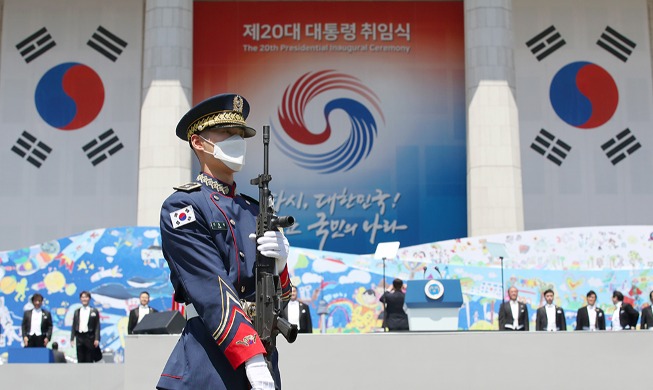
<point x="267" y="320"/>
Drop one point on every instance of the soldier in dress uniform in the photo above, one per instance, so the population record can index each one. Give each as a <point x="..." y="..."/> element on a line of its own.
<point x="208" y="240"/>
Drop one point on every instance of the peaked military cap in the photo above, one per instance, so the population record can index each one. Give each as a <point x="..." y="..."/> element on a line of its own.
<point x="225" y="110"/>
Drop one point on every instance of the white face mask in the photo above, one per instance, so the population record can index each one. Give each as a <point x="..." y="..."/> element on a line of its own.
<point x="231" y="151"/>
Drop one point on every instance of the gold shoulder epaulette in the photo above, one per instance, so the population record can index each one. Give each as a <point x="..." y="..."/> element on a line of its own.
<point x="188" y="187"/>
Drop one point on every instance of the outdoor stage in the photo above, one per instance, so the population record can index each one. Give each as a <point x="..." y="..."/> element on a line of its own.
<point x="417" y="360"/>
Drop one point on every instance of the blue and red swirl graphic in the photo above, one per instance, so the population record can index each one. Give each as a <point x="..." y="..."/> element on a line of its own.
<point x="69" y="96"/>
<point x="363" y="128"/>
<point x="584" y="95"/>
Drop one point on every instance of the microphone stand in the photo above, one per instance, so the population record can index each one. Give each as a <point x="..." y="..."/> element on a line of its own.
<point x="385" y="250"/>
<point x="438" y="269"/>
<point x="503" y="293"/>
<point x="385" y="301"/>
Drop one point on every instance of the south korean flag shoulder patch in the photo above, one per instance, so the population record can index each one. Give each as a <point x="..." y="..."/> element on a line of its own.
<point x="182" y="217"/>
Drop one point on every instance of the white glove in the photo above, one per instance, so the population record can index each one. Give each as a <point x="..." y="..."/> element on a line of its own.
<point x="275" y="245"/>
<point x="258" y="374"/>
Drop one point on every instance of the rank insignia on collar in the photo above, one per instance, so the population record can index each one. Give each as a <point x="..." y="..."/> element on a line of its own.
<point x="214" y="184"/>
<point x="182" y="216"/>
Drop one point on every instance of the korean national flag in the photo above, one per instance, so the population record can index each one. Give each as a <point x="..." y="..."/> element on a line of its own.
<point x="182" y="217"/>
<point x="70" y="100"/>
<point x="584" y="92"/>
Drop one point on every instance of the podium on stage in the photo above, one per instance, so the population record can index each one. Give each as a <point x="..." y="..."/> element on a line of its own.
<point x="433" y="304"/>
<point x="30" y="355"/>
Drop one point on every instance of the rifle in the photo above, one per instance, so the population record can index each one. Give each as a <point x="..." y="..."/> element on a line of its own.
<point x="267" y="320"/>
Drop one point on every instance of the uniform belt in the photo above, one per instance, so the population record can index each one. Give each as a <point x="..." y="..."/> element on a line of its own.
<point x="248" y="307"/>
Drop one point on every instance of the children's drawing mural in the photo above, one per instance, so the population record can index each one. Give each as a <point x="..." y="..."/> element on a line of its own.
<point x="114" y="265"/>
<point x="342" y="290"/>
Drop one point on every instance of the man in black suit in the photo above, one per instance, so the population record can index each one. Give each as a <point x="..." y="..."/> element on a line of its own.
<point x="550" y="317"/>
<point x="394" y="316"/>
<point x="37" y="324"/>
<point x="513" y="315"/>
<point x="590" y="317"/>
<point x="137" y="314"/>
<point x="298" y="313"/>
<point x="59" y="357"/>
<point x="86" y="329"/>
<point x="647" y="315"/>
<point x="625" y="316"/>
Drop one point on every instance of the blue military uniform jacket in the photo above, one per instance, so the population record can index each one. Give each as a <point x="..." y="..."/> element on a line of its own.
<point x="205" y="231"/>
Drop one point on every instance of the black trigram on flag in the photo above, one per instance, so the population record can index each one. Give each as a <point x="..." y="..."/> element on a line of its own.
<point x="106" y="43"/>
<point x="616" y="44"/>
<point x="31" y="149"/>
<point x="545" y="43"/>
<point x="548" y="146"/>
<point x="621" y="146"/>
<point x="35" y="45"/>
<point x="98" y="150"/>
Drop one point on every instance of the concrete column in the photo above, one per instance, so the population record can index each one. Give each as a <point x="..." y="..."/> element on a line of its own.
<point x="165" y="161"/>
<point x="494" y="185"/>
<point x="2" y="6"/>
<point x="649" y="4"/>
